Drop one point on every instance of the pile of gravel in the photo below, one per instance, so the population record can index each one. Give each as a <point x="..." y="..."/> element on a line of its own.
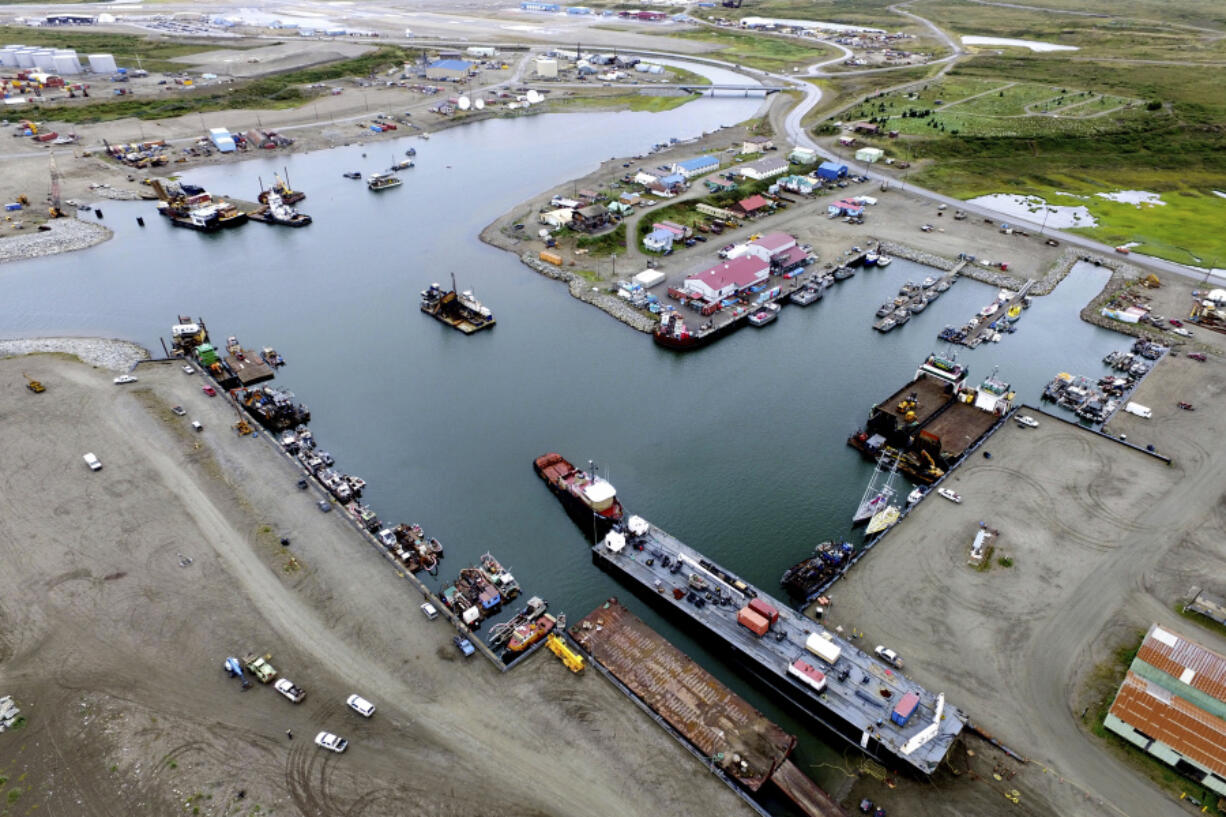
<point x="119" y="355"/>
<point x="65" y="235"/>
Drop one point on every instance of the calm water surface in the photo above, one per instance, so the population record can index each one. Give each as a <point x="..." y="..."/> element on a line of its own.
<point x="738" y="449"/>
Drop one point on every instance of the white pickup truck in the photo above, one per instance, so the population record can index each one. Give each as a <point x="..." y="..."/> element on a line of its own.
<point x="286" y="687"/>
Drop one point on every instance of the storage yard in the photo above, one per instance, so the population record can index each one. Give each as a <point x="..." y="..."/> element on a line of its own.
<point x="1098" y="539"/>
<point x="130" y="585"/>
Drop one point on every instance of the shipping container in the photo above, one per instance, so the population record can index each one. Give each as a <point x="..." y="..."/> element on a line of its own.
<point x="823" y="648"/>
<point x="765" y="610"/>
<point x="808" y="674"/>
<point x="752" y="620"/>
<point x="905" y="709"/>
<point x="551" y="257"/>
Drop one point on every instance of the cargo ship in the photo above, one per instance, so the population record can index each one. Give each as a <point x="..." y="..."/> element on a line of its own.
<point x="459" y="310"/>
<point x="930" y="423"/>
<point x="590" y="499"/>
<point x="829" y="680"/>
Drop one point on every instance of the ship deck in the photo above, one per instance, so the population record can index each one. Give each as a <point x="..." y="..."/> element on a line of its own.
<point x="250" y="371"/>
<point x="710" y="716"/>
<point x="930" y="394"/>
<point x="857" y="708"/>
<point x="959" y="427"/>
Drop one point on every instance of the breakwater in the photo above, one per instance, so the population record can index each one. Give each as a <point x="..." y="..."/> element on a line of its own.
<point x="583" y="289"/>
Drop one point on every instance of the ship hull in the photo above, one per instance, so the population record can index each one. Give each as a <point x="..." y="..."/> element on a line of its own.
<point x="592" y="524"/>
<point x="697" y="341"/>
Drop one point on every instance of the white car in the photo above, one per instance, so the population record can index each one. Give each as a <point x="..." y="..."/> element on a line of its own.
<point x="1026" y="421"/>
<point x="1179" y="330"/>
<point x="125" y="378"/>
<point x="429" y="610"/>
<point x="188" y="370"/>
<point x="360" y="705"/>
<point x="888" y="656"/>
<point x="287" y="688"/>
<point x="331" y="742"/>
<point x="92" y="462"/>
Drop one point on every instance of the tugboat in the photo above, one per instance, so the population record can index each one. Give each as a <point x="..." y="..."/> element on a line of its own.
<point x="276" y="211"/>
<point x="460" y="311"/>
<point x="805" y="578"/>
<point x="525" y="635"/>
<point x="382" y="181"/>
<point x="590" y="499"/>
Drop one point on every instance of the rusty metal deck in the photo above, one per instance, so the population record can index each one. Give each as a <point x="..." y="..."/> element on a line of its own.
<point x="930" y="393"/>
<point x="959" y="427"/>
<point x="718" y="722"/>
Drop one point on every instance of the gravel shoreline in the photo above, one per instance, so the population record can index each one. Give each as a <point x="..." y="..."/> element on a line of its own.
<point x="65" y="235"/>
<point x="114" y="354"/>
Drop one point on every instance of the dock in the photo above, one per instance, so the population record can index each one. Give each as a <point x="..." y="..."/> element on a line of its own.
<point x="853" y="695"/>
<point x="726" y="730"/>
<point x="981" y="328"/>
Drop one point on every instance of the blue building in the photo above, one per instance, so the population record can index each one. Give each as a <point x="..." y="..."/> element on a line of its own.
<point x="528" y="5"/>
<point x="696" y="166"/>
<point x="448" y="69"/>
<point x="659" y="240"/>
<point x="829" y="171"/>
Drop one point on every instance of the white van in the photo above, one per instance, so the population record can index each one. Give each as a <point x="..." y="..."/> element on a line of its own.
<point x="92" y="462"/>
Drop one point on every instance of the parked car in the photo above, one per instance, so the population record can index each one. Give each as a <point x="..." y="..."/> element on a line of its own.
<point x="464" y="645"/>
<point x="324" y="505"/>
<point x="331" y="742"/>
<point x="188" y="369"/>
<point x="888" y="656"/>
<point x="1179" y="330"/>
<point x="93" y="462"/>
<point x="287" y="688"/>
<point x="1174" y="322"/>
<point x="125" y="378"/>
<point x="429" y="610"/>
<point x="360" y="705"/>
<point x="197" y="425"/>
<point x="209" y="390"/>
<point x="1197" y="356"/>
<point x="178" y="410"/>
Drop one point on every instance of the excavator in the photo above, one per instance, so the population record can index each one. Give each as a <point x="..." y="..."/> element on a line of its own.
<point x="907" y="407"/>
<point x="33" y="385"/>
<point x="1151" y="281"/>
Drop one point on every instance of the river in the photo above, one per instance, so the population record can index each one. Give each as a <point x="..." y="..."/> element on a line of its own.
<point x="738" y="449"/>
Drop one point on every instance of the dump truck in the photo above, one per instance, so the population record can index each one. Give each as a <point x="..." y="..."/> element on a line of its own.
<point x="259" y="666"/>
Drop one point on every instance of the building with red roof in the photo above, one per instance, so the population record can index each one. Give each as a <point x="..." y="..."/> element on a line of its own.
<point x="728" y="278"/>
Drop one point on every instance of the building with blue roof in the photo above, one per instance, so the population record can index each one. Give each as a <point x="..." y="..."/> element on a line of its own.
<point x="696" y="166"/>
<point x="659" y="240"/>
<point x="527" y="5"/>
<point x="831" y="171"/>
<point x="448" y="69"/>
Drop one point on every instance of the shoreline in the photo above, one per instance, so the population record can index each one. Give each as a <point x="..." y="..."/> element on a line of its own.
<point x="107" y="353"/>
<point x="63" y="235"/>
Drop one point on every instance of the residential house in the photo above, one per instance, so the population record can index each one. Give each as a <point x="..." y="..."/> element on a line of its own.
<point x="831" y="171"/>
<point x="866" y="128"/>
<point x="557" y="218"/>
<point x="805" y="185"/>
<point x="752" y="206"/>
<point x="646" y="179"/>
<point x="679" y="231"/>
<point x="674" y="183"/>
<point x="590" y="218"/>
<point x="803" y="156"/>
<point x="869" y="155"/>
<point x="659" y="240"/>
<point x="756" y="144"/>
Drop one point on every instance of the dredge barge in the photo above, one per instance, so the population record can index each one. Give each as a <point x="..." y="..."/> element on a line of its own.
<point x="830" y="680"/>
<point x="459" y="310"/>
<point x="930" y="423"/>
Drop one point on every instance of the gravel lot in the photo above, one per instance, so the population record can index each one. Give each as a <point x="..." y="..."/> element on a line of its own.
<point x="1104" y="540"/>
<point x="122" y="591"/>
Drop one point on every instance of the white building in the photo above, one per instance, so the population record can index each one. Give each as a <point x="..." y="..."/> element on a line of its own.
<point x="763" y="169"/>
<point x="547" y="67"/>
<point x="869" y="155"/>
<point x="102" y="64"/>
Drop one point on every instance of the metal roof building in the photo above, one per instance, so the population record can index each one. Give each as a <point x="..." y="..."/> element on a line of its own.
<point x="1172" y="704"/>
<point x="448" y="69"/>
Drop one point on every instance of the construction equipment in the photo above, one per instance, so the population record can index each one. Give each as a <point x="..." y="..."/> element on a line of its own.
<point x="33" y="385"/>
<point x="242" y="427"/>
<point x="23" y="200"/>
<point x="1151" y="281"/>
<point x="55" y="211"/>
<point x="572" y="660"/>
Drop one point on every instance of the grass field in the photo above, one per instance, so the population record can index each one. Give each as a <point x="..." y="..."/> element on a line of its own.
<point x="274" y="92"/>
<point x="763" y="51"/>
<point x="629" y="101"/>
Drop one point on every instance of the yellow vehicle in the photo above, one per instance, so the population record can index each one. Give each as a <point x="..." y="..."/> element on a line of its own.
<point x="572" y="659"/>
<point x="34" y="385"/>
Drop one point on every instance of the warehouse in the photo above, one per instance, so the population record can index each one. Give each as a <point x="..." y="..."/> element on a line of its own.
<point x="448" y="70"/>
<point x="1172" y="705"/>
<point x="726" y="279"/>
<point x="696" y="166"/>
<point x="547" y="67"/>
<point x="869" y="155"/>
<point x="830" y="171"/>
<point x="763" y="169"/>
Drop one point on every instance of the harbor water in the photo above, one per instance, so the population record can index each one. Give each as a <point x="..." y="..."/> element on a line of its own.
<point x="737" y="449"/>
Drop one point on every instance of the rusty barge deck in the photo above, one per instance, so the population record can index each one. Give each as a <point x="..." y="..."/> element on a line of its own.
<point x="745" y="745"/>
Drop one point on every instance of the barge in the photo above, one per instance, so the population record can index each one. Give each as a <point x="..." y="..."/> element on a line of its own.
<point x="742" y="744"/>
<point x="829" y="680"/>
<point x="459" y="310"/>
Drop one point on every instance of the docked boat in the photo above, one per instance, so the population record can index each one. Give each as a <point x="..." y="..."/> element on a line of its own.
<point x="276" y="211"/>
<point x="281" y="187"/>
<point x="916" y="495"/>
<point x="202" y="219"/>
<point x="810" y="576"/>
<point x="989" y="310"/>
<point x="382" y="181"/>
<point x="765" y="315"/>
<point x="500" y="577"/>
<point x="228" y="215"/>
<point x="1014" y="312"/>
<point x="884" y="260"/>
<point x="932" y="294"/>
<point x="929" y="282"/>
<point x="805" y="295"/>
<point x="942" y="285"/>
<point x="843" y="273"/>
<point x="918" y="306"/>
<point x="950" y="495"/>
<point x="590" y="499"/>
<point x="870" y="259"/>
<point x="527" y="634"/>
<point x="885" y="324"/>
<point x="901" y="315"/>
<point x="460" y="310"/>
<point x="880" y="491"/>
<point x="883" y="519"/>
<point x="271" y="357"/>
<point x="885" y="309"/>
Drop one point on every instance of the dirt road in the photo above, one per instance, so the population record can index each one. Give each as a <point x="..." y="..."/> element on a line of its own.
<point x="122" y="590"/>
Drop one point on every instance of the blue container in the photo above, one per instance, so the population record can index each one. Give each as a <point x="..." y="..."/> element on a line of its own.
<point x="13" y="206"/>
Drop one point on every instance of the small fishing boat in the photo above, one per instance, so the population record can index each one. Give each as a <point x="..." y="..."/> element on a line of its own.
<point x="870" y="259"/>
<point x="916" y="495"/>
<point x="1014" y="312"/>
<point x="950" y="495"/>
<point x="765" y="315"/>
<point x="884" y="260"/>
<point x="382" y="181"/>
<point x="352" y="174"/>
<point x="885" y="309"/>
<point x="989" y="310"/>
<point x="918" y="305"/>
<point x="805" y="296"/>
<point x="929" y="282"/>
<point x="843" y="273"/>
<point x="885" y="324"/>
<point x="942" y="285"/>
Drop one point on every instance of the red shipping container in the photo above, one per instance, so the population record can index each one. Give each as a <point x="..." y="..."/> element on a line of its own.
<point x="765" y="610"/>
<point x="756" y="622"/>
